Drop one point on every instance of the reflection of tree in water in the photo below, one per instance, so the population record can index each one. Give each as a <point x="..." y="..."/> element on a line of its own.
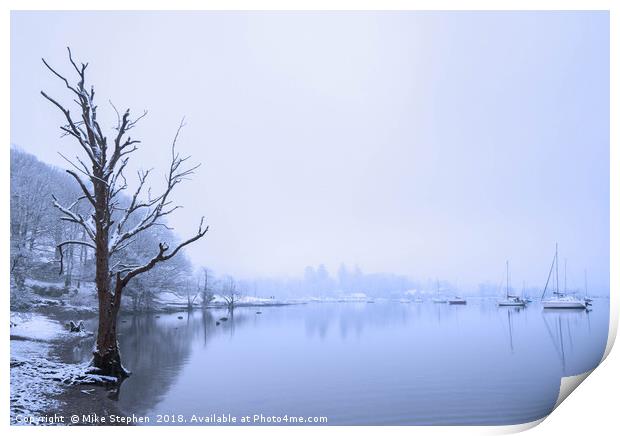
<point x="235" y="318"/>
<point x="207" y="321"/>
<point x="155" y="349"/>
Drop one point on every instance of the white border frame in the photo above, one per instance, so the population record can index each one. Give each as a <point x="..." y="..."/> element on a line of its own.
<point x="572" y="418"/>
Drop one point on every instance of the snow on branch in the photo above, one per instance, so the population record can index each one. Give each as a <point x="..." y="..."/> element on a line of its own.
<point x="75" y="217"/>
<point x="157" y="207"/>
<point x="162" y="255"/>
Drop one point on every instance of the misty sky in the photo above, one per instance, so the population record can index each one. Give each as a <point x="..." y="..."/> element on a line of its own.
<point x="427" y="144"/>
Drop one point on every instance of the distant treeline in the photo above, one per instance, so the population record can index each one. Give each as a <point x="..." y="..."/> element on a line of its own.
<point x="318" y="282"/>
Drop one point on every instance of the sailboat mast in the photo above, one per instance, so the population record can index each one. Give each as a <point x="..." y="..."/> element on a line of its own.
<point x="585" y="276"/>
<point x="548" y="278"/>
<point x="565" y="275"/>
<point x="507" y="281"/>
<point x="557" y="273"/>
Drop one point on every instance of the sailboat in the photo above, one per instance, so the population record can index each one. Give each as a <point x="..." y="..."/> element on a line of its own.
<point x="525" y="297"/>
<point x="587" y="299"/>
<point x="439" y="298"/>
<point x="457" y="300"/>
<point x="511" y="300"/>
<point x="559" y="300"/>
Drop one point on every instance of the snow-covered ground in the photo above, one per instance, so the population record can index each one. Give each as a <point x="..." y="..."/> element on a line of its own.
<point x="85" y="298"/>
<point x="41" y="294"/>
<point x="172" y="299"/>
<point x="42" y="284"/>
<point x="34" y="327"/>
<point x="353" y="297"/>
<point x="36" y="376"/>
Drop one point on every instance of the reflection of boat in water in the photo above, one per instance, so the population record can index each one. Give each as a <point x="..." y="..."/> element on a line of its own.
<point x="559" y="300"/>
<point x="510" y="332"/>
<point x="509" y="313"/>
<point x="457" y="300"/>
<point x="560" y="332"/>
<point x="510" y="300"/>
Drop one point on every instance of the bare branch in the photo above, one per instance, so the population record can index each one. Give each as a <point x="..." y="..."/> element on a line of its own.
<point x="159" y="206"/>
<point x="75" y="217"/>
<point x="162" y="256"/>
<point x="61" y="77"/>
<point x="75" y="131"/>
<point x="62" y="244"/>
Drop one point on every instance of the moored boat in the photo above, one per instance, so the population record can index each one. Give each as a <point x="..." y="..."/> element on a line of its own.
<point x="559" y="300"/>
<point x="439" y="298"/>
<point x="586" y="298"/>
<point x="457" y="300"/>
<point x="510" y="300"/>
<point x="564" y="302"/>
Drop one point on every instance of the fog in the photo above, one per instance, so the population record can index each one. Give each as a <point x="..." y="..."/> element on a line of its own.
<point x="428" y="145"/>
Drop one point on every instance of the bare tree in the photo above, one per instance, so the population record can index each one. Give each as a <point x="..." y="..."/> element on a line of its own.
<point x="192" y="293"/>
<point x="206" y="294"/>
<point x="230" y="293"/>
<point x="101" y="180"/>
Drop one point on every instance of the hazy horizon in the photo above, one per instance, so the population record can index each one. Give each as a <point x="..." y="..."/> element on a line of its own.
<point x="426" y="144"/>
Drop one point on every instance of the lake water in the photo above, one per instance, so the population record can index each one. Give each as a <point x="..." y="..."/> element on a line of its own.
<point x="359" y="363"/>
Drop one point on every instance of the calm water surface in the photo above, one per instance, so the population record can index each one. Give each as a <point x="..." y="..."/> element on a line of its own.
<point x="359" y="363"/>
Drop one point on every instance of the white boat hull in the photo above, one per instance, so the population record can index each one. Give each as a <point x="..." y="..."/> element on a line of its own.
<point x="512" y="303"/>
<point x="563" y="304"/>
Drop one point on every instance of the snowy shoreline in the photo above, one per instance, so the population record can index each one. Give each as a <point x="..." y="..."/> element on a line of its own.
<point x="43" y="383"/>
<point x="38" y="376"/>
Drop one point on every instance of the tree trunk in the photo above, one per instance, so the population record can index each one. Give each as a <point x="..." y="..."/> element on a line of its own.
<point x="106" y="356"/>
<point x="69" y="274"/>
<point x="82" y="261"/>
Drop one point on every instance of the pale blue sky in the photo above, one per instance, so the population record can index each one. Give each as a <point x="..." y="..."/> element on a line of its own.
<point x="427" y="144"/>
